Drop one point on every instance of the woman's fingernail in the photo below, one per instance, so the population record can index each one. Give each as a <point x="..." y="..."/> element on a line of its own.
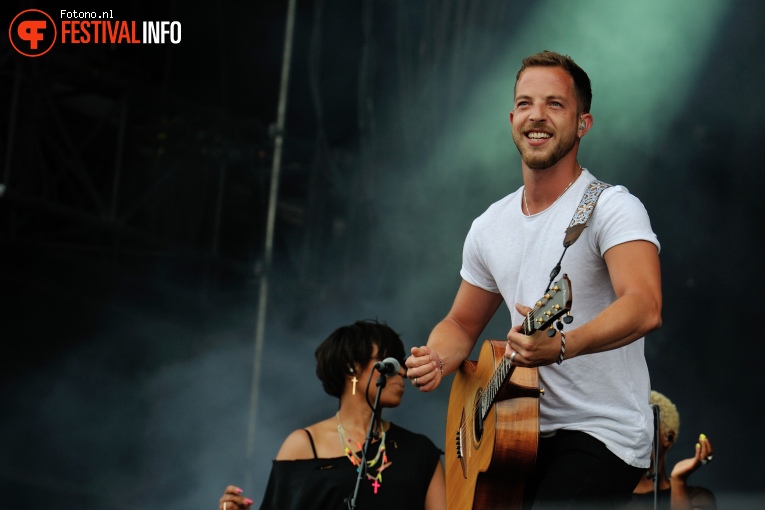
<point x="238" y="490"/>
<point x="248" y="501"/>
<point x="698" y="446"/>
<point x="702" y="437"/>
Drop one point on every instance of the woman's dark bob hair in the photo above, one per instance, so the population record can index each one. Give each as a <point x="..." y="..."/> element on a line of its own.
<point x="351" y="347"/>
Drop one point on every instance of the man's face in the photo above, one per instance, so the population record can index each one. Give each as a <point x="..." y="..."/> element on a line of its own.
<point x="545" y="116"/>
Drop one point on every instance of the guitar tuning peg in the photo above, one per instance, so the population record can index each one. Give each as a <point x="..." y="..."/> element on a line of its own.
<point x="551" y="332"/>
<point x="559" y="325"/>
<point x="568" y="319"/>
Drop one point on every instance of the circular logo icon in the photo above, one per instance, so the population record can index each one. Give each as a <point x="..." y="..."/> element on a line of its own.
<point x="32" y="33"/>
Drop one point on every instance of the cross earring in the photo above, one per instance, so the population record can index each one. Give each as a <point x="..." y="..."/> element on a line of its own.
<point x="354" y="380"/>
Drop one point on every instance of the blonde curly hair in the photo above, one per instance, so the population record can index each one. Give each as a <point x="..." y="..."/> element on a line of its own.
<point x="670" y="418"/>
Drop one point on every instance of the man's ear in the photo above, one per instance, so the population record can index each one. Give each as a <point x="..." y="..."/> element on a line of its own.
<point x="584" y="125"/>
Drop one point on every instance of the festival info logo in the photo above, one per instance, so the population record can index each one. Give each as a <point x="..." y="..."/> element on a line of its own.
<point x="32" y="33"/>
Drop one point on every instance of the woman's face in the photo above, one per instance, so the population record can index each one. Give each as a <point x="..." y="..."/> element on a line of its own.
<point x="394" y="385"/>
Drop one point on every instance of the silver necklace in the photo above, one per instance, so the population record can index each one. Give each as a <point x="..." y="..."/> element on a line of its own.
<point x="526" y="203"/>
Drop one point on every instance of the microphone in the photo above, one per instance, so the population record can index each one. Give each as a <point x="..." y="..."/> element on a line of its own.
<point x="388" y="367"/>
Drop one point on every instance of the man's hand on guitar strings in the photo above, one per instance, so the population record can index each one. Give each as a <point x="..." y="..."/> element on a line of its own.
<point x="424" y="368"/>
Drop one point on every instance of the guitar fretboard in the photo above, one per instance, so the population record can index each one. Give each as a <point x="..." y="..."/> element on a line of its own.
<point x="504" y="368"/>
<point x="492" y="387"/>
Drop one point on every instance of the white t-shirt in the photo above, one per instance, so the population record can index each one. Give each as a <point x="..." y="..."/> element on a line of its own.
<point x="605" y="394"/>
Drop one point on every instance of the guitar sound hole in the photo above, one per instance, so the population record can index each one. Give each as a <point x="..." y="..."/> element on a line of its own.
<point x="478" y="419"/>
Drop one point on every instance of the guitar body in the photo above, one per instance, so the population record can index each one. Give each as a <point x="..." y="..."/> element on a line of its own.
<point x="488" y="460"/>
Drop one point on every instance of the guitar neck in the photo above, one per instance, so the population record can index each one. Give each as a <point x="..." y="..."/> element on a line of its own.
<point x="555" y="302"/>
<point x="490" y="391"/>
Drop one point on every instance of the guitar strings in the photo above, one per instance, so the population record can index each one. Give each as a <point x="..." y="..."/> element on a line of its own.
<point x="502" y="372"/>
<point x="496" y="381"/>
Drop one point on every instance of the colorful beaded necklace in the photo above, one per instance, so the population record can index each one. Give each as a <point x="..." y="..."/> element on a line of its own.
<point x="346" y="443"/>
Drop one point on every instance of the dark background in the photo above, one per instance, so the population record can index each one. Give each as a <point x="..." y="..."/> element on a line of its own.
<point x="134" y="213"/>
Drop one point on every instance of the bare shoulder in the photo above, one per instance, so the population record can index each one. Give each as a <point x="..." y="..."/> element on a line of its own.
<point x="297" y="445"/>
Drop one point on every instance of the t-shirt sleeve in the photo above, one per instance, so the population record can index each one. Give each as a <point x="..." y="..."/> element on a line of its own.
<point x="620" y="217"/>
<point x="474" y="269"/>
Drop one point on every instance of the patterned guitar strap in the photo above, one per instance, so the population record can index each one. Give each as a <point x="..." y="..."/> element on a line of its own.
<point x="580" y="219"/>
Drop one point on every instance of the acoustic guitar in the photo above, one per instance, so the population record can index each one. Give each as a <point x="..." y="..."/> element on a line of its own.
<point x="492" y="423"/>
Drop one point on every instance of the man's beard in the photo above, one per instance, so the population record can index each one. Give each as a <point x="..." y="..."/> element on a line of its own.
<point x="538" y="160"/>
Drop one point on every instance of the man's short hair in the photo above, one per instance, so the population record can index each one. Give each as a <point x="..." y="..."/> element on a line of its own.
<point x="582" y="87"/>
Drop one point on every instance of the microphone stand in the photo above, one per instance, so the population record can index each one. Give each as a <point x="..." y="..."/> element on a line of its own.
<point x="656" y="439"/>
<point x="381" y="381"/>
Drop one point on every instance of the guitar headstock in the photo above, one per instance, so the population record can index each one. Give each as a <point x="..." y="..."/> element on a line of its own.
<point x="555" y="303"/>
